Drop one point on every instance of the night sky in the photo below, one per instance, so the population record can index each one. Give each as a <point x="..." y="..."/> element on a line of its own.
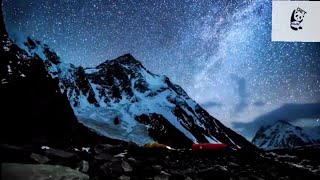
<point x="220" y="52"/>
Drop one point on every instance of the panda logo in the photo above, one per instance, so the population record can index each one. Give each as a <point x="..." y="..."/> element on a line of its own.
<point x="296" y="18"/>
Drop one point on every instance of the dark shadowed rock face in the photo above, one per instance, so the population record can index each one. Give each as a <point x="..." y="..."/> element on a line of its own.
<point x="32" y="106"/>
<point x="162" y="131"/>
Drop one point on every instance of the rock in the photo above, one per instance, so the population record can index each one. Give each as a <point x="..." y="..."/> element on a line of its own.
<point x="120" y="155"/>
<point x="243" y="178"/>
<point x="157" y="168"/>
<point x="59" y="153"/>
<point x="10" y="171"/>
<point x="188" y="178"/>
<point x="103" y="157"/>
<point x="114" y="159"/>
<point x="220" y="168"/>
<point x="123" y="177"/>
<point x="116" y="121"/>
<point x="8" y="147"/>
<point x="39" y="158"/>
<point x="163" y="176"/>
<point x="175" y="174"/>
<point x="84" y="166"/>
<point x="305" y="162"/>
<point x="116" y="167"/>
<point x="148" y="170"/>
<point x="253" y="177"/>
<point x="113" y="168"/>
<point x="132" y="160"/>
<point x="244" y="174"/>
<point x="216" y="172"/>
<point x="188" y="171"/>
<point x="103" y="148"/>
<point x="126" y="166"/>
<point x="233" y="165"/>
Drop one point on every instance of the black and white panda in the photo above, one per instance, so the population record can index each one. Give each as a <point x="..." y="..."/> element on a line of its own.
<point x="296" y="19"/>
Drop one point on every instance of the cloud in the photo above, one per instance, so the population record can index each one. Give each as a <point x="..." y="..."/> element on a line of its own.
<point x="290" y="112"/>
<point x="241" y="90"/>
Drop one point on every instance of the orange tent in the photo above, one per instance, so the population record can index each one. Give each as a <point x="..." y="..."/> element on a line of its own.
<point x="155" y="145"/>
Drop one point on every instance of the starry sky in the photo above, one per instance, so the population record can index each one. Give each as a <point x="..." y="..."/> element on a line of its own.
<point x="220" y="52"/>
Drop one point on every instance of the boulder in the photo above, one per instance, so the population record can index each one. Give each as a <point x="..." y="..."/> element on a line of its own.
<point x="103" y="156"/>
<point x="57" y="153"/>
<point x="216" y="172"/>
<point x="126" y="166"/>
<point x="83" y="166"/>
<point x="233" y="165"/>
<point x="157" y="168"/>
<point x="123" y="177"/>
<point x="39" y="158"/>
<point x="163" y="176"/>
<point x="103" y="148"/>
<point x="10" y="171"/>
<point x="114" y="168"/>
<point x="132" y="160"/>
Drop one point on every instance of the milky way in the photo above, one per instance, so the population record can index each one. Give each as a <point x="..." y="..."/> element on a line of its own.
<point x="220" y="52"/>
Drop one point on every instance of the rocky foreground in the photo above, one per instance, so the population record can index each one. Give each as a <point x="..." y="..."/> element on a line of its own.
<point x="128" y="161"/>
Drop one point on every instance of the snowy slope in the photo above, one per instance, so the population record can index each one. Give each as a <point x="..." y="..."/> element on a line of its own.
<point x="121" y="99"/>
<point x="281" y="135"/>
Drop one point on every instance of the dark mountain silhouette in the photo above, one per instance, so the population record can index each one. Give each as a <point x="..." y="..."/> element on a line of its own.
<point x="32" y="108"/>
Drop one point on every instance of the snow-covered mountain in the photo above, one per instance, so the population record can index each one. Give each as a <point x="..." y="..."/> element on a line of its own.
<point x="281" y="134"/>
<point x="121" y="99"/>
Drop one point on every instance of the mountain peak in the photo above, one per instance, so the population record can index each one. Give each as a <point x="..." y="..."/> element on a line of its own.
<point x="126" y="59"/>
<point x="281" y="134"/>
<point x="283" y="122"/>
<point x="128" y="56"/>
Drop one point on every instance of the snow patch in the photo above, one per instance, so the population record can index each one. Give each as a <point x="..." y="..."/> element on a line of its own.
<point x="211" y="140"/>
<point x="91" y="70"/>
<point x="86" y="149"/>
<point x="9" y="69"/>
<point x="45" y="147"/>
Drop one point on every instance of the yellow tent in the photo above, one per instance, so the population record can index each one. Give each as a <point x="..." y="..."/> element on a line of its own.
<point x="155" y="145"/>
